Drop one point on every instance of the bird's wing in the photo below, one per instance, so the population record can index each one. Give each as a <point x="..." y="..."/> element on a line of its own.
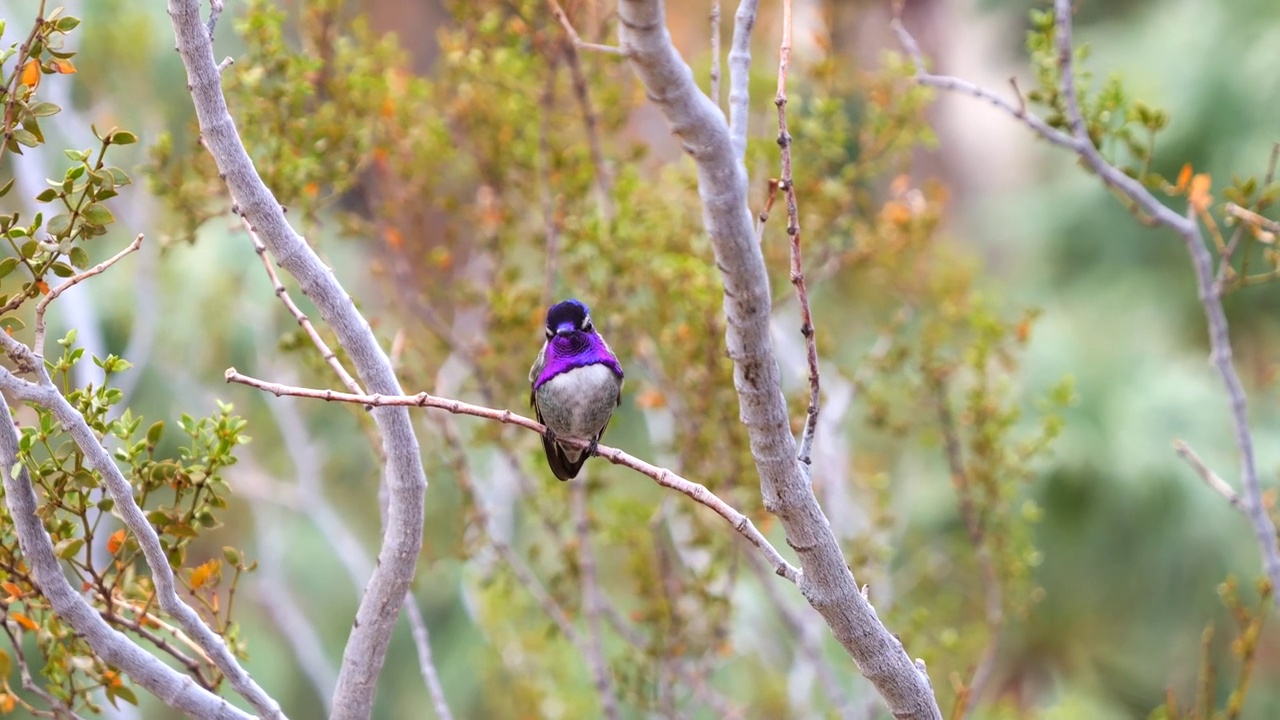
<point x="538" y="363"/>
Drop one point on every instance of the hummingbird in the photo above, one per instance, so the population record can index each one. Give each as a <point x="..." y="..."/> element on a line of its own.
<point x="576" y="383"/>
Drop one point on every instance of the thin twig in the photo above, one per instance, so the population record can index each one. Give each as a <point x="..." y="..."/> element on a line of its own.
<point x="604" y="183"/>
<point x="787" y="184"/>
<point x="763" y="217"/>
<point x="546" y="196"/>
<point x="1253" y="218"/>
<point x="60" y="709"/>
<point x="591" y="593"/>
<point x="38" y="343"/>
<point x="715" y="52"/>
<point x="1211" y="478"/>
<point x="308" y="327"/>
<point x="695" y="491"/>
<point x="577" y="41"/>
<point x="977" y="538"/>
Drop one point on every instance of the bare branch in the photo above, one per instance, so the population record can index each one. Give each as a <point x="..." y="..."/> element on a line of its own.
<point x="551" y="231"/>
<point x="45" y="394"/>
<point x="740" y="75"/>
<point x="1253" y="218"/>
<point x="38" y="343"/>
<point x="1210" y="478"/>
<point x="403" y="473"/>
<point x="308" y="327"/>
<point x="591" y="602"/>
<point x="1208" y="285"/>
<point x="698" y="493"/>
<point x="60" y="709"/>
<point x="715" y="51"/>
<point x="171" y="687"/>
<point x="604" y="183"/>
<point x="577" y="41"/>
<point x="787" y="183"/>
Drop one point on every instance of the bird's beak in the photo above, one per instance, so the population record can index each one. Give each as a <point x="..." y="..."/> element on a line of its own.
<point x="564" y="329"/>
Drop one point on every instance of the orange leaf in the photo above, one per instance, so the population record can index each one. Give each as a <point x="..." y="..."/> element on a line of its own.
<point x="311" y="189"/>
<point x="63" y="66"/>
<point x="204" y="572"/>
<point x="1199" y="194"/>
<point x="44" y="287"/>
<point x="12" y="588"/>
<point x="651" y="398"/>
<point x="1184" y="177"/>
<point x="115" y="541"/>
<point x="24" y="621"/>
<point x="7" y="703"/>
<point x="30" y="74"/>
<point x="393" y="237"/>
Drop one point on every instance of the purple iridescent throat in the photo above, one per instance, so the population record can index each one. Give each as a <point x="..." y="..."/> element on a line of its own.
<point x="575" y="350"/>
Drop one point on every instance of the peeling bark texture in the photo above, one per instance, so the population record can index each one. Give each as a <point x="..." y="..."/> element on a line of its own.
<point x="172" y="688"/>
<point x="406" y="481"/>
<point x="826" y="582"/>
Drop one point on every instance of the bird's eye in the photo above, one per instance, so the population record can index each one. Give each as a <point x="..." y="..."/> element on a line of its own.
<point x="588" y="327"/>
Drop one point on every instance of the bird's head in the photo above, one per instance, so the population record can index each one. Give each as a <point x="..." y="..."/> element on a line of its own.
<point x="567" y="318"/>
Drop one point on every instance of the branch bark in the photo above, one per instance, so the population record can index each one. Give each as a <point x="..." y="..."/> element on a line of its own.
<point x="826" y="582"/>
<point x="171" y="687"/>
<point x="405" y="478"/>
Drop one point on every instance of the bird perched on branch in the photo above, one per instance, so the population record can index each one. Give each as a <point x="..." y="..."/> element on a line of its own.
<point x="576" y="385"/>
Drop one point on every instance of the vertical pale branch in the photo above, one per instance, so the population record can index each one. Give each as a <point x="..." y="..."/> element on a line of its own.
<point x="715" y="52"/>
<point x="826" y="583"/>
<point x="404" y="476"/>
<point x="591" y="602"/>
<point x="171" y="687"/>
<point x="788" y="186"/>
<point x="740" y="75"/>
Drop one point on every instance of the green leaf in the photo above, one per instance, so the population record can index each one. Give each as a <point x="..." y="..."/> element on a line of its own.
<point x="8" y="265"/>
<point x="47" y="195"/>
<point x="79" y="257"/>
<point x="11" y="324"/>
<point x="43" y="109"/>
<point x="67" y="24"/>
<point x="58" y="225"/>
<point x="25" y="137"/>
<point x="231" y="554"/>
<point x="7" y="187"/>
<point x="62" y="269"/>
<point x="97" y="214"/>
<point x="66" y="549"/>
<point x="154" y="433"/>
<point x="122" y="137"/>
<point x="118" y="176"/>
<point x="125" y="694"/>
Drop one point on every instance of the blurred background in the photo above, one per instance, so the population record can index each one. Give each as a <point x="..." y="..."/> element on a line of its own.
<point x="459" y="166"/>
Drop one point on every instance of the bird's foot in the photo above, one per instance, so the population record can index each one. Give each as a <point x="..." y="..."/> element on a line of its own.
<point x="594" y="448"/>
<point x="549" y="435"/>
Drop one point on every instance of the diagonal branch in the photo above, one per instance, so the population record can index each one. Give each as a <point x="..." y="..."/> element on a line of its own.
<point x="45" y="394"/>
<point x="698" y="493"/>
<point x="1209" y="287"/>
<point x="404" y="475"/>
<point x="42" y="306"/>
<point x="171" y="687"/>
<point x="826" y="583"/>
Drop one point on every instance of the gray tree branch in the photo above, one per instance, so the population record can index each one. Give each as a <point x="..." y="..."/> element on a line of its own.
<point x="171" y="687"/>
<point x="826" y="581"/>
<point x="405" y="478"/>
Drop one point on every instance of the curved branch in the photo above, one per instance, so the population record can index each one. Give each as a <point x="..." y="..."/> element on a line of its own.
<point x="405" y="478"/>
<point x="171" y="687"/>
<point x="827" y="583"/>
